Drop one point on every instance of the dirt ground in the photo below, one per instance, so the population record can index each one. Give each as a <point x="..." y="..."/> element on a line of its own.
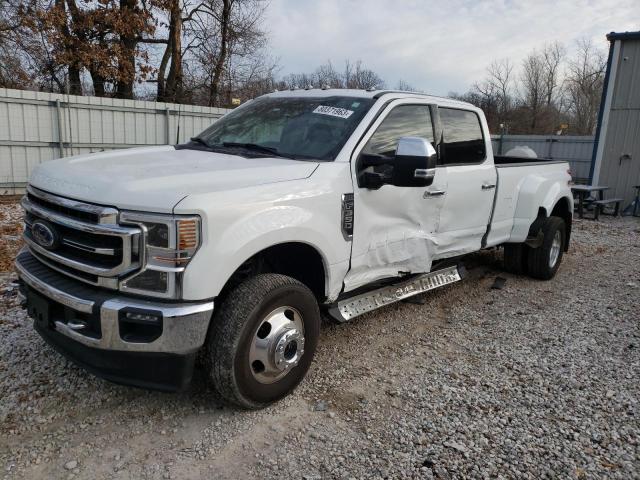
<point x="535" y="380"/>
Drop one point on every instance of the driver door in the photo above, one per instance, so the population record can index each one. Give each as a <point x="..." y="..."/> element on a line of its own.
<point x="394" y="229"/>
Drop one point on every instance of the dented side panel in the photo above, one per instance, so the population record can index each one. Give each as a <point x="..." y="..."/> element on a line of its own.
<point x="394" y="232"/>
<point x="394" y="227"/>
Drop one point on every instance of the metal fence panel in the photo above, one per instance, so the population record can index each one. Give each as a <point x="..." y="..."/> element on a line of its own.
<point x="39" y="126"/>
<point x="574" y="149"/>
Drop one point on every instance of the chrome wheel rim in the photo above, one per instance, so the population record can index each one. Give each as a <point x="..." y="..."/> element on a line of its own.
<point x="556" y="245"/>
<point x="277" y="345"/>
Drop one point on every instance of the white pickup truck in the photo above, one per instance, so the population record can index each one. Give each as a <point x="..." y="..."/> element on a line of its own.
<point x="229" y="247"/>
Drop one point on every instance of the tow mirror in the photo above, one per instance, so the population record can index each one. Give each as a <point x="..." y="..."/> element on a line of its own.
<point x="414" y="164"/>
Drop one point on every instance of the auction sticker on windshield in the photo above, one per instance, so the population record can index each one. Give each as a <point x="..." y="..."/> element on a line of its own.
<point x="333" y="111"/>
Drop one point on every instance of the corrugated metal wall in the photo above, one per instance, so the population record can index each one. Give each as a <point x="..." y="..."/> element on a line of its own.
<point x="576" y="150"/>
<point x="620" y="167"/>
<point x="36" y="127"/>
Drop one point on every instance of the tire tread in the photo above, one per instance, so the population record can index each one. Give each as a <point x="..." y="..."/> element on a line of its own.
<point x="538" y="258"/>
<point x="225" y="334"/>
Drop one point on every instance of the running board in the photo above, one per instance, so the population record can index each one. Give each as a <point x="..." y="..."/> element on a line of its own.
<point x="351" y="307"/>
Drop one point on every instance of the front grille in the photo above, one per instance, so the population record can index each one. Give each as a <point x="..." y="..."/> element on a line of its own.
<point x="90" y="245"/>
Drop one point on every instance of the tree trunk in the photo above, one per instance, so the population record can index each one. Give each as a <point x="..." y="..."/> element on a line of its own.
<point x="161" y="71"/>
<point x="174" y="78"/>
<point x="127" y="60"/>
<point x="225" y="18"/>
<point x="75" y="86"/>
<point x="98" y="83"/>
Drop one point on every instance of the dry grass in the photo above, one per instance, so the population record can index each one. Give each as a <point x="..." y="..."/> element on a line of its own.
<point x="10" y="232"/>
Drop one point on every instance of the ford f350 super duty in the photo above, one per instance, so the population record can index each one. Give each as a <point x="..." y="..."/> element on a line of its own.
<point x="229" y="247"/>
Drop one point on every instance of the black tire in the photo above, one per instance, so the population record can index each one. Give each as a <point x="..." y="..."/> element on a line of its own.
<point x="515" y="258"/>
<point x="234" y="325"/>
<point x="539" y="259"/>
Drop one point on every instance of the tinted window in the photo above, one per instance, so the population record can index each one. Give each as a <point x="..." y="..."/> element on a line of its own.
<point x="402" y="121"/>
<point x="463" y="142"/>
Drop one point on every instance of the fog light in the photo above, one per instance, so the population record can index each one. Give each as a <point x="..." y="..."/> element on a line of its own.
<point x="139" y="326"/>
<point x="142" y="317"/>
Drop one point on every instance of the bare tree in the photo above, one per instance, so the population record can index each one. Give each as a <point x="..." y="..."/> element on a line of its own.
<point x="359" y="77"/>
<point x="533" y="87"/>
<point x="585" y="81"/>
<point x="500" y="77"/>
<point x="552" y="56"/>
<point x="222" y="36"/>
<point x="328" y="76"/>
<point x="405" y="86"/>
<point x="494" y="93"/>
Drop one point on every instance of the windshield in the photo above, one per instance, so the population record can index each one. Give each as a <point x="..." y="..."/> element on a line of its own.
<point x="296" y="127"/>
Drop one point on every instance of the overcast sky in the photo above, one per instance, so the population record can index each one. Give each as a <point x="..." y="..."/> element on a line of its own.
<point x="436" y="46"/>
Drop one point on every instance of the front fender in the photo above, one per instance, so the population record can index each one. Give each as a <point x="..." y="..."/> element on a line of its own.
<point x="239" y="224"/>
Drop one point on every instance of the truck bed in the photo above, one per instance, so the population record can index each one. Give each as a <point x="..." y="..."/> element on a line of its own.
<point x="503" y="160"/>
<point x="522" y="185"/>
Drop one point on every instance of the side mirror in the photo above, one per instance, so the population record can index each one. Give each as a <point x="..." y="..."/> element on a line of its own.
<point x="414" y="164"/>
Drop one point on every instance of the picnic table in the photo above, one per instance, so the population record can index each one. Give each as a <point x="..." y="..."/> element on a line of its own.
<point x="582" y="191"/>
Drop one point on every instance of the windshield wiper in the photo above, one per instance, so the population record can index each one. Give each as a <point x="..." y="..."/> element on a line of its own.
<point x="200" y="141"/>
<point x="256" y="147"/>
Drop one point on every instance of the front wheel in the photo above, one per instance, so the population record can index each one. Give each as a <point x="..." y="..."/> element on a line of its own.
<point x="262" y="340"/>
<point x="543" y="262"/>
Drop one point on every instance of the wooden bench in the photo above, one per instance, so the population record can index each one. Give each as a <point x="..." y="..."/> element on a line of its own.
<point x="600" y="204"/>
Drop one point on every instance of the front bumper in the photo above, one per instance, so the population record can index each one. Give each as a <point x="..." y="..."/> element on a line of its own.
<point x="89" y="326"/>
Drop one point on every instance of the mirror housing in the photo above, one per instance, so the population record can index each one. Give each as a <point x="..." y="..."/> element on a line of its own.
<point x="414" y="164"/>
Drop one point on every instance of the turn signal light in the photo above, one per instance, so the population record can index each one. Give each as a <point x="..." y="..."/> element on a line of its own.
<point x="187" y="234"/>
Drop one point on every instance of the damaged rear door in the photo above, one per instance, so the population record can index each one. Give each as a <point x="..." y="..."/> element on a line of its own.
<point x="394" y="229"/>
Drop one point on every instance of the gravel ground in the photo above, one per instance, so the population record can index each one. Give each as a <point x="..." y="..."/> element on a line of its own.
<point x="537" y="380"/>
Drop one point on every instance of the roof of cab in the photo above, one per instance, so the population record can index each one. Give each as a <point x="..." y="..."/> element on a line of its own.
<point x="375" y="94"/>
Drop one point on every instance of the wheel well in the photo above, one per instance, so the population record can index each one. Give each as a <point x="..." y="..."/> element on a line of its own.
<point x="297" y="260"/>
<point x="562" y="209"/>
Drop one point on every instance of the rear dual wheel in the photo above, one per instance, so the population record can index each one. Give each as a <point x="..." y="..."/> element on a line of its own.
<point x="262" y="340"/>
<point x="541" y="262"/>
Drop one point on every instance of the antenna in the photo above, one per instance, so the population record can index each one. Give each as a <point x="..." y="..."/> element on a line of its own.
<point x="178" y="129"/>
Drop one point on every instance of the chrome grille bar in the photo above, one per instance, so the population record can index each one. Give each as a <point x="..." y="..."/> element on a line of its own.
<point x="83" y="255"/>
<point x="104" y="215"/>
<point x="88" y="248"/>
<point x="101" y="229"/>
<point x="82" y="266"/>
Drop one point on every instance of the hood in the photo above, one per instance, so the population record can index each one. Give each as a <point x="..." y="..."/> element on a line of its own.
<point x="157" y="178"/>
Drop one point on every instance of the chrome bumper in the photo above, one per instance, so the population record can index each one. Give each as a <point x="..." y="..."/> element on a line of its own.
<point x="184" y="326"/>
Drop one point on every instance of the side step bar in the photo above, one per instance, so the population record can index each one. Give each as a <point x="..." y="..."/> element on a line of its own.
<point x="348" y="308"/>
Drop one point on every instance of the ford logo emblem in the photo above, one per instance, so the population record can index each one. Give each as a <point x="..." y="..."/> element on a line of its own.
<point x="44" y="234"/>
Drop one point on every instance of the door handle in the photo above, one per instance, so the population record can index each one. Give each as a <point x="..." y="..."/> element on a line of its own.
<point x="433" y="193"/>
<point x="488" y="186"/>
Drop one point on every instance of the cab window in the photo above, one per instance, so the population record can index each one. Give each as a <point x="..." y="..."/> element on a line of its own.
<point x="463" y="139"/>
<point x="402" y="121"/>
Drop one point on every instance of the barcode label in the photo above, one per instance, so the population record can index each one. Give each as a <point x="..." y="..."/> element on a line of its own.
<point x="333" y="111"/>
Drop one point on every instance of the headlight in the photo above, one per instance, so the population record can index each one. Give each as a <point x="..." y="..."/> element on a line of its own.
<point x="170" y="241"/>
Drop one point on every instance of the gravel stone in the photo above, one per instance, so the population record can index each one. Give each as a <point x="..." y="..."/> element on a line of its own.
<point x="538" y="380"/>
